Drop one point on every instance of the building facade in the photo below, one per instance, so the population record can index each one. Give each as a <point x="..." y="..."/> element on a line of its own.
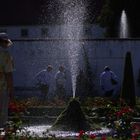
<point x="53" y="31"/>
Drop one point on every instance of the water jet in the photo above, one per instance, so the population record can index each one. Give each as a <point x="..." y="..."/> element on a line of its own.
<point x="124" y="28"/>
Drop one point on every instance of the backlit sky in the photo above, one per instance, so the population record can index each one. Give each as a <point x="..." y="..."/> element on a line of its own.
<point x="33" y="11"/>
<point x="28" y="12"/>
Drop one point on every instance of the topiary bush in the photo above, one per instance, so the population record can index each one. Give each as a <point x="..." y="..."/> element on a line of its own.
<point x="128" y="85"/>
<point x="72" y="118"/>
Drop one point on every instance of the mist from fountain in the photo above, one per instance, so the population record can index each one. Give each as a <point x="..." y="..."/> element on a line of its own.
<point x="73" y="15"/>
<point x="124" y="28"/>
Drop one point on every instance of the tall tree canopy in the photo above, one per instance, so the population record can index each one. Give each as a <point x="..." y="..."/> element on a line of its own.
<point x="111" y="13"/>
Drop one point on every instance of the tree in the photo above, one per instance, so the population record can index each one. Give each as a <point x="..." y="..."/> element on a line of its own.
<point x="128" y="86"/>
<point x="110" y="16"/>
<point x="89" y="76"/>
<point x="81" y="85"/>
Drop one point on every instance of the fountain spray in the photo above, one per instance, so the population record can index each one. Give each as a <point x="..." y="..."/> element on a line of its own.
<point x="124" y="29"/>
<point x="73" y="15"/>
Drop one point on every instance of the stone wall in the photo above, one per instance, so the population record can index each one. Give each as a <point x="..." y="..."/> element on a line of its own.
<point x="31" y="56"/>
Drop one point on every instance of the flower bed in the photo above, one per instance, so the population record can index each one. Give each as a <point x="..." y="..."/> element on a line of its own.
<point x="118" y="116"/>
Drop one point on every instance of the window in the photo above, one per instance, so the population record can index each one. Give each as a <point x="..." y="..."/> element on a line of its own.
<point x="44" y="32"/>
<point x="24" y="33"/>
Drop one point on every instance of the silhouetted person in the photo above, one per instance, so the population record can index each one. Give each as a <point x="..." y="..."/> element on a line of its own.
<point x="6" y="78"/>
<point x="60" y="79"/>
<point x="108" y="82"/>
<point x="44" y="81"/>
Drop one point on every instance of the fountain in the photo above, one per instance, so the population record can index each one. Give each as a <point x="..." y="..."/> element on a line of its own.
<point x="72" y="118"/>
<point x="73" y="14"/>
<point x="124" y="28"/>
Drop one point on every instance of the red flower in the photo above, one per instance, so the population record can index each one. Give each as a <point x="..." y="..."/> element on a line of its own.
<point x="81" y="133"/>
<point x="123" y="111"/>
<point x="92" y="136"/>
<point x="2" y="137"/>
<point x="103" y="137"/>
<point x="119" y="113"/>
<point x="134" y="136"/>
<point x="133" y="139"/>
<point x="135" y="126"/>
<point x="15" y="107"/>
<point x="12" y="107"/>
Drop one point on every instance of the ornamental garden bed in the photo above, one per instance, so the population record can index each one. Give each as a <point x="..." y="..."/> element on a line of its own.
<point x="99" y="112"/>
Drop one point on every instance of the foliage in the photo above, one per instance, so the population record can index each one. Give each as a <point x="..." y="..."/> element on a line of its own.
<point x="14" y="129"/>
<point x="15" y="110"/>
<point x="116" y="115"/>
<point x="83" y="136"/>
<point x="72" y="118"/>
<point x="136" y="130"/>
<point x="35" y="102"/>
<point x="96" y="102"/>
<point x="16" y="107"/>
<point x="89" y="76"/>
<point x="110" y="16"/>
<point x="119" y="118"/>
<point x="81" y="90"/>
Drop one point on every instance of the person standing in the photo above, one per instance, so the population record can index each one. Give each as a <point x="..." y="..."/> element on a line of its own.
<point x="60" y="79"/>
<point x="6" y="77"/>
<point x="108" y="82"/>
<point x="44" y="81"/>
